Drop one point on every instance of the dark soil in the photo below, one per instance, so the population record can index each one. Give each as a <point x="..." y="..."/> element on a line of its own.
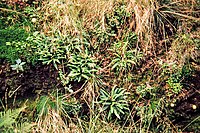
<point x="34" y="80"/>
<point x="184" y="111"/>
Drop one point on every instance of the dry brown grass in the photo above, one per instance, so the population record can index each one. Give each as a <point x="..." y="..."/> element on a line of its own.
<point x="183" y="49"/>
<point x="53" y="123"/>
<point x="66" y="16"/>
<point x="71" y="16"/>
<point x="145" y="18"/>
<point x="143" y="11"/>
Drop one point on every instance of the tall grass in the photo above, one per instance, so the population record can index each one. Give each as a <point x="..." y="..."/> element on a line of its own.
<point x="151" y="18"/>
<point x="155" y="24"/>
<point x="66" y="16"/>
<point x="119" y="35"/>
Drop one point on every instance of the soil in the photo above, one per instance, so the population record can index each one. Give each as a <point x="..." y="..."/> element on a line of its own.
<point x="188" y="99"/>
<point x="38" y="79"/>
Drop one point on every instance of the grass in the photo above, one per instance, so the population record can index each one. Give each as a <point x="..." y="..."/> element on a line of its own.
<point x="65" y="17"/>
<point x="120" y="65"/>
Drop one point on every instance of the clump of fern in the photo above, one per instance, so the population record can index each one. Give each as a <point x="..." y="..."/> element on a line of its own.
<point x="10" y="122"/>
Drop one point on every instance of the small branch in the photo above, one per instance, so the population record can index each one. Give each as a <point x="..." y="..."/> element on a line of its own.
<point x="182" y="15"/>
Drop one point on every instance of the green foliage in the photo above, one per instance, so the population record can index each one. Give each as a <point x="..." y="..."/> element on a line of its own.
<point x="44" y="104"/>
<point x="52" y="52"/>
<point x="131" y="38"/>
<point x="114" y="102"/>
<point x="177" y="77"/>
<point x="9" y="122"/>
<point x="9" y="117"/>
<point x="12" y="34"/>
<point x="65" y="81"/>
<point x="13" y="15"/>
<point x="117" y="19"/>
<point x="82" y="67"/>
<point x="36" y="47"/>
<point x="124" y="60"/>
<point x="14" y="28"/>
<point x="115" y="23"/>
<point x="76" y="43"/>
<point x="25" y="49"/>
<point x="145" y="91"/>
<point x="101" y="37"/>
<point x="175" y="87"/>
<point x="149" y="114"/>
<point x="73" y="44"/>
<point x="7" y="36"/>
<point x="7" y="18"/>
<point x="58" y="103"/>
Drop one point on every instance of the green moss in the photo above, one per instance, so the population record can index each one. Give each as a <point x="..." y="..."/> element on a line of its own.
<point x="11" y="34"/>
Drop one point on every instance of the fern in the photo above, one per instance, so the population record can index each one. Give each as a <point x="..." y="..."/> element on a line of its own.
<point x="9" y="122"/>
<point x="8" y="118"/>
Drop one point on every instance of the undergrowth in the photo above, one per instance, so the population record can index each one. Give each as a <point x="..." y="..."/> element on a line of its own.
<point x="121" y="66"/>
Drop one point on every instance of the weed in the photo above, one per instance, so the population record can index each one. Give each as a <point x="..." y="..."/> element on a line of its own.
<point x="9" y="121"/>
<point x="116" y="19"/>
<point x="76" y="36"/>
<point x="174" y="87"/>
<point x="53" y="122"/>
<point x="18" y="66"/>
<point x="65" y="81"/>
<point x="54" y="111"/>
<point x="52" y="53"/>
<point x="59" y="104"/>
<point x="124" y="60"/>
<point x="82" y="67"/>
<point x="114" y="102"/>
<point x="145" y="91"/>
<point x="150" y="117"/>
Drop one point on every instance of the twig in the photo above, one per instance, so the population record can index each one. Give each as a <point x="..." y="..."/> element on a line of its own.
<point x="191" y="123"/>
<point x="68" y="95"/>
<point x="182" y="15"/>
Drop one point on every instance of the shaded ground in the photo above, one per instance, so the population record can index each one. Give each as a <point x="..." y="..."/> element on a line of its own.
<point x="36" y="79"/>
<point x="185" y="112"/>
